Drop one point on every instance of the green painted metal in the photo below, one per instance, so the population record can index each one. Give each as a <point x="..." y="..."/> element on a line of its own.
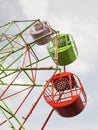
<point x="19" y="59"/>
<point x="67" y="50"/>
<point x="2" y="110"/>
<point x="8" y="110"/>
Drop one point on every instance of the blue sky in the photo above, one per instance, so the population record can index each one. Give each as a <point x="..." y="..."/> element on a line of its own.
<point x="79" y="18"/>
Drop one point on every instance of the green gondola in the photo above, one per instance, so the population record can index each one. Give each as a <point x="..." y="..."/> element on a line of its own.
<point x="67" y="50"/>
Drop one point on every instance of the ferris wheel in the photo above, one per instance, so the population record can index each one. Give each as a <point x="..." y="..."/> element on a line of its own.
<point x="20" y="63"/>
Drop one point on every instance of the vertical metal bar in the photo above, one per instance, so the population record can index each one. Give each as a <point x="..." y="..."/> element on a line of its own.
<point x="12" y="126"/>
<point x="36" y="102"/>
<point x="11" y="113"/>
<point x="47" y="119"/>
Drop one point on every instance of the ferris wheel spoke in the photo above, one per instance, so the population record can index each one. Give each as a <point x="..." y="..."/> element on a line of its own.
<point x="45" y="123"/>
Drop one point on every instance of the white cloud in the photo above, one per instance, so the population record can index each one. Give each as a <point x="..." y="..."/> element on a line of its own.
<point x="34" y="8"/>
<point x="84" y="30"/>
<point x="91" y="101"/>
<point x="80" y="67"/>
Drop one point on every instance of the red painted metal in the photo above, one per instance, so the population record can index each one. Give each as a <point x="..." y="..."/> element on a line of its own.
<point x="51" y="112"/>
<point x="36" y="102"/>
<point x="66" y="94"/>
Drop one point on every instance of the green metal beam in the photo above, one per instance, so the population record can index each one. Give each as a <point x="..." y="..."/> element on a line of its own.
<point x="8" y="110"/>
<point x="20" y="68"/>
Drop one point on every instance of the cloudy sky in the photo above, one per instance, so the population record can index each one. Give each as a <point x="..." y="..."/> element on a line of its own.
<point x="79" y="18"/>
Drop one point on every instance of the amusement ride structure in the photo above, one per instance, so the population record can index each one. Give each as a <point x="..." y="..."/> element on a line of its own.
<point x="20" y="63"/>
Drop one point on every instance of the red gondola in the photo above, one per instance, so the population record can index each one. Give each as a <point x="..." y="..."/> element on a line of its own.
<point x="66" y="94"/>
